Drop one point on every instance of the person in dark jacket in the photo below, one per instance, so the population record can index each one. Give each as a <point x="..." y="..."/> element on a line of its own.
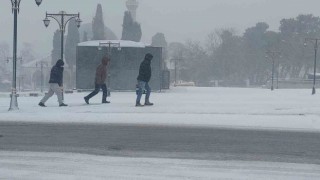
<point x="101" y="75"/>
<point x="55" y="84"/>
<point x="143" y="81"/>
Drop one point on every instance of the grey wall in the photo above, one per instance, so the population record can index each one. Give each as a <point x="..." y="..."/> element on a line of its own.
<point x="124" y="67"/>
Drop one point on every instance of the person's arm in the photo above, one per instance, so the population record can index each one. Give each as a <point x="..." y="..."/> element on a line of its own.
<point x="60" y="77"/>
<point x="103" y="76"/>
<point x="98" y="75"/>
<point x="142" y="71"/>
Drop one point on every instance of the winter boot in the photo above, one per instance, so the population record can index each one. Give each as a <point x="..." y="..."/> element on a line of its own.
<point x="42" y="104"/>
<point x="105" y="102"/>
<point x="63" y="105"/>
<point x="86" y="100"/>
<point x="148" y="103"/>
<point x="104" y="98"/>
<point x="138" y="104"/>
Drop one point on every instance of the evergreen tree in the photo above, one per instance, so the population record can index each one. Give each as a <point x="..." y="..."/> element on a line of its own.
<point x="159" y="40"/>
<point x="98" y="25"/>
<point x="72" y="40"/>
<point x="297" y="61"/>
<point x="56" y="51"/>
<point x="131" y="29"/>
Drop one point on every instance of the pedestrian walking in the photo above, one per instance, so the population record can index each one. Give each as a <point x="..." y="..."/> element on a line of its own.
<point x="143" y="81"/>
<point x="101" y="75"/>
<point x="55" y="84"/>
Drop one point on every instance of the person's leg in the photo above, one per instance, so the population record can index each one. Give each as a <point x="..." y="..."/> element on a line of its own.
<point x="148" y="89"/>
<point x="105" y="93"/>
<point x="141" y="86"/>
<point x="93" y="93"/>
<point x="56" y="88"/>
<point x="47" y="95"/>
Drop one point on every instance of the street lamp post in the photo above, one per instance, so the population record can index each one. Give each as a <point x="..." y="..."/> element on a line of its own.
<point x="175" y="71"/>
<point x="17" y="59"/>
<point x="273" y="55"/>
<point x="62" y="19"/>
<point x="15" y="10"/>
<point x="176" y="60"/>
<point x="41" y="64"/>
<point x="278" y="72"/>
<point x="315" y="43"/>
<point x="109" y="46"/>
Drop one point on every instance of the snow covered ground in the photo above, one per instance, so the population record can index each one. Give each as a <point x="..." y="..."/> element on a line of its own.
<point x="22" y="165"/>
<point x="183" y="106"/>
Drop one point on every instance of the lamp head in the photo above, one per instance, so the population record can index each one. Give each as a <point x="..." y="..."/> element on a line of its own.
<point x="46" y="22"/>
<point x="38" y="2"/>
<point x="78" y="21"/>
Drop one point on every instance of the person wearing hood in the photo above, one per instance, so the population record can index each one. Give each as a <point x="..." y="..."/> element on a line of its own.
<point x="101" y="75"/>
<point x="143" y="81"/>
<point x="55" y="84"/>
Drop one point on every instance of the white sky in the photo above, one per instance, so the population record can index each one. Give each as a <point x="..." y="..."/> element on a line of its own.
<point x="179" y="20"/>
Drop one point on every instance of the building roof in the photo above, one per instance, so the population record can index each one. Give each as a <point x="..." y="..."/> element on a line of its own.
<point x="121" y="42"/>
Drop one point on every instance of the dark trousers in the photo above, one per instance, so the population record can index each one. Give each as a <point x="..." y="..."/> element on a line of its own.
<point x="96" y="91"/>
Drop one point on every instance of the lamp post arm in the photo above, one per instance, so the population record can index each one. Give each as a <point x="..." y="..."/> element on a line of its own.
<point x="55" y="18"/>
<point x="69" y="18"/>
<point x="314" y="41"/>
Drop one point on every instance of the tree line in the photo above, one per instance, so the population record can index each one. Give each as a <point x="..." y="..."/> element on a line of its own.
<point x="234" y="59"/>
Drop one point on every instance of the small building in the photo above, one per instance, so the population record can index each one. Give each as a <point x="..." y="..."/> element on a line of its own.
<point x="126" y="57"/>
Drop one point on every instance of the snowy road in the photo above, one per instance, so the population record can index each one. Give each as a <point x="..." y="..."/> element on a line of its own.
<point x="191" y="133"/>
<point x="163" y="142"/>
<point x="52" y="166"/>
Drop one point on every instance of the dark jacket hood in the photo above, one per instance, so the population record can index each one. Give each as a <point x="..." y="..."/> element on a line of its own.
<point x="60" y="63"/>
<point x="105" y="61"/>
<point x="148" y="57"/>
